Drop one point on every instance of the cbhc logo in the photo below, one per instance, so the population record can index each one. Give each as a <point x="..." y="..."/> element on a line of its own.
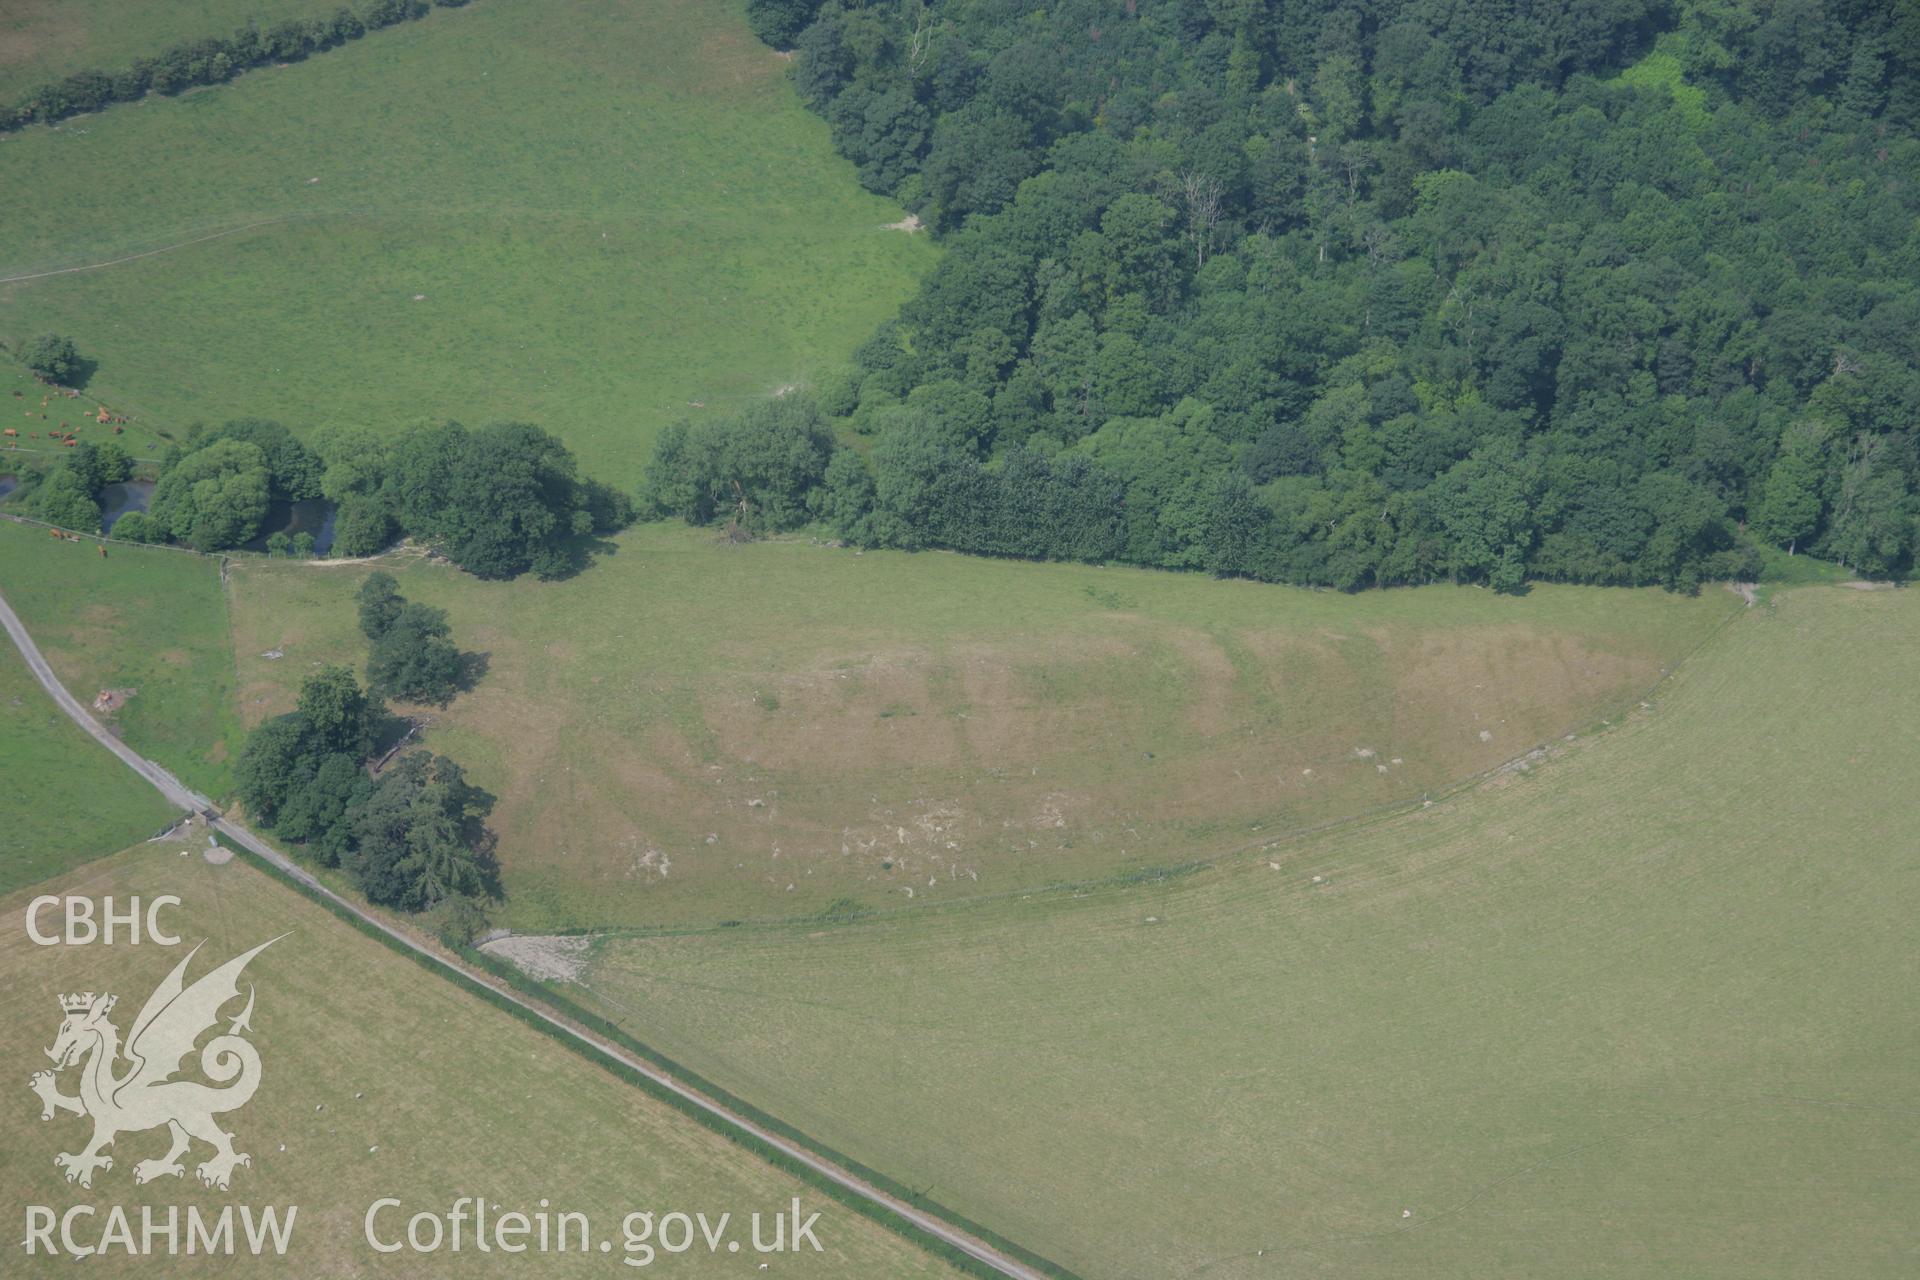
<point x="85" y="925"/>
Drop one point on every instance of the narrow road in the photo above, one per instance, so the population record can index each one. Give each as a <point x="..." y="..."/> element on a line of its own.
<point x="171" y="787"/>
<point x="179" y="794"/>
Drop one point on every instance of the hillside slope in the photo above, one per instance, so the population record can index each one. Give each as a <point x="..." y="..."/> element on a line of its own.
<point x="1645" y="1009"/>
<point x="696" y="731"/>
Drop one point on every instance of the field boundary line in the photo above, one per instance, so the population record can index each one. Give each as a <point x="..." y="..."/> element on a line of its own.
<point x="262" y="62"/>
<point x="876" y="1202"/>
<point x="108" y="539"/>
<point x="168" y="248"/>
<point x="4" y="453"/>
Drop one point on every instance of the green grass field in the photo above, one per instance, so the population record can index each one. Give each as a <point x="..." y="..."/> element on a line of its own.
<point x="1172" y="928"/>
<point x="379" y="1078"/>
<point x="693" y="731"/>
<point x="592" y="216"/>
<point x="1642" y="1010"/>
<point x="148" y="624"/>
<point x="63" y="798"/>
<point x="39" y="417"/>
<point x="43" y="40"/>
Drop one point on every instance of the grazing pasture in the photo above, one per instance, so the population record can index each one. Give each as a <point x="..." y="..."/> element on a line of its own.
<point x="695" y="731"/>
<point x="44" y="40"/>
<point x="380" y="1078"/>
<point x="594" y="216"/>
<point x="1644" y="1008"/>
<point x="147" y="627"/>
<point x="63" y="799"/>
<point x="41" y="416"/>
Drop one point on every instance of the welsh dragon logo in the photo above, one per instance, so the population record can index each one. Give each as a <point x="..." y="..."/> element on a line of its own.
<point x="145" y="1095"/>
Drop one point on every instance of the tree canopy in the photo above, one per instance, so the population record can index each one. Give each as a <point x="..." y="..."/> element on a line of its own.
<point x="1354" y="296"/>
<point x="410" y="657"/>
<point x="499" y="500"/>
<point x="411" y="838"/>
<point x="69" y="494"/>
<point x="293" y="469"/>
<point x="53" y="356"/>
<point x="214" y="497"/>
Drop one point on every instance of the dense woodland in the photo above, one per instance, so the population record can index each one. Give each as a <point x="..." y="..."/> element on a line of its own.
<point x="1598" y="290"/>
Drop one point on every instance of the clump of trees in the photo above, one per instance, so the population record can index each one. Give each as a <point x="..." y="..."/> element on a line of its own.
<point x="215" y="496"/>
<point x="298" y="546"/>
<point x="412" y="839"/>
<point x="138" y="526"/>
<point x="498" y="500"/>
<point x="362" y="526"/>
<point x="411" y="658"/>
<point x="69" y="494"/>
<point x="416" y="835"/>
<point x="54" y="357"/>
<point x="1346" y="298"/>
<point x="762" y="468"/>
<point x="215" y="488"/>
<point x="210" y="60"/>
<point x="293" y="469"/>
<point x="778" y="22"/>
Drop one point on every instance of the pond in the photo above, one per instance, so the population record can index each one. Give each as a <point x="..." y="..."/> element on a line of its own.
<point x="118" y="499"/>
<point x="311" y="515"/>
<point x="8" y="484"/>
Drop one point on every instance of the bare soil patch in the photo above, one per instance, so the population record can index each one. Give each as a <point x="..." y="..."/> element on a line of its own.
<point x="549" y="959"/>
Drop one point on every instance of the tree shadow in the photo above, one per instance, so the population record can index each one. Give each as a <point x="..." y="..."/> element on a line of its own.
<point x="473" y="669"/>
<point x="389" y="731"/>
<point x="488" y="863"/>
<point x="576" y="555"/>
<point x="483" y="840"/>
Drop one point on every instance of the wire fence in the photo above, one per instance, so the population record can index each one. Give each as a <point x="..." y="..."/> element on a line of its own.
<point x="108" y="540"/>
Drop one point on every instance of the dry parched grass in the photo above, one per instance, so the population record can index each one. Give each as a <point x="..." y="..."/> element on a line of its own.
<point x="1642" y="1007"/>
<point x="379" y="1078"/>
<point x="696" y="732"/>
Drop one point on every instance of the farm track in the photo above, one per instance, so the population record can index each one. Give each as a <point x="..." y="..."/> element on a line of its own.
<point x="165" y="248"/>
<point x="193" y="802"/>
